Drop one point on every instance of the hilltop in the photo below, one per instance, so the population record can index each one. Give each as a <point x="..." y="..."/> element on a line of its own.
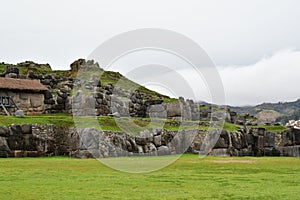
<point x="271" y="112"/>
<point x="34" y="70"/>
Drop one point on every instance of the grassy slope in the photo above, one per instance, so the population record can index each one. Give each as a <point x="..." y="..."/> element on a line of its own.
<point x="187" y="178"/>
<point x="284" y="109"/>
<point x="105" y="77"/>
<point x="131" y="125"/>
<point x="275" y="129"/>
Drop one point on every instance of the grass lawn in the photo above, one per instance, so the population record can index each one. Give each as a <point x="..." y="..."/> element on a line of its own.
<point x="187" y="178"/>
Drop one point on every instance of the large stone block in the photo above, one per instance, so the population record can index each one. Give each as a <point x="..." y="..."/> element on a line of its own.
<point x="89" y="139"/>
<point x="237" y="140"/>
<point x="157" y="140"/>
<point x="4" y="148"/>
<point x="15" y="129"/>
<point x="16" y="142"/>
<point x="260" y="142"/>
<point x="269" y="139"/>
<point x="296" y="134"/>
<point x="221" y="143"/>
<point x="220" y="152"/>
<point x="163" y="150"/>
<point x="4" y="131"/>
<point x="26" y="128"/>
<point x="289" y="151"/>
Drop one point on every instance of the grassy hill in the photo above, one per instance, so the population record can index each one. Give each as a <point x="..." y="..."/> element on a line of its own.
<point x="107" y="123"/>
<point x="269" y="112"/>
<point x="93" y="68"/>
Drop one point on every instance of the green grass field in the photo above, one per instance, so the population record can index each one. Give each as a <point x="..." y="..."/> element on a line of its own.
<point x="188" y="178"/>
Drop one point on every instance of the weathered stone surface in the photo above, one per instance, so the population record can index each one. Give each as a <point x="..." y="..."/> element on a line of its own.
<point x="48" y="95"/>
<point x="15" y="129"/>
<point x="157" y="140"/>
<point x="220" y="152"/>
<point x="4" y="131"/>
<point x="140" y="149"/>
<point x="12" y="69"/>
<point x="4" y="149"/>
<point x="173" y="110"/>
<point x="260" y="142"/>
<point x="49" y="140"/>
<point x="19" y="113"/>
<point x="223" y="141"/>
<point x="89" y="139"/>
<point x="26" y="128"/>
<point x="269" y="139"/>
<point x="163" y="150"/>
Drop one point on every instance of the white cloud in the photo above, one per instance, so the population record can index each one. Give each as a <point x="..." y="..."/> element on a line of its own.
<point x="272" y="79"/>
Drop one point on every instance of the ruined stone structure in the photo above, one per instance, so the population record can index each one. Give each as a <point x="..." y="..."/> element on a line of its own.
<point x="23" y="94"/>
<point x="88" y="96"/>
<point x="49" y="140"/>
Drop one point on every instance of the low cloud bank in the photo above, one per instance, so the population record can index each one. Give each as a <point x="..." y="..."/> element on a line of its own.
<point x="272" y="79"/>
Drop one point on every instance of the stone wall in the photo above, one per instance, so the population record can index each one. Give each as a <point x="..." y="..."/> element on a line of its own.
<point x="48" y="140"/>
<point x="88" y="96"/>
<point x="30" y="103"/>
<point x="33" y="141"/>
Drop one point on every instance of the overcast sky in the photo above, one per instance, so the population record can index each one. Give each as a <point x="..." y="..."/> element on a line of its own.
<point x="254" y="43"/>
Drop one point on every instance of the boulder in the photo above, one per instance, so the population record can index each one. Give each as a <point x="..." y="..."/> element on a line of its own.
<point x="48" y="95"/>
<point x="157" y="140"/>
<point x="152" y="149"/>
<point x="163" y="150"/>
<point x="19" y="113"/>
<point x="11" y="75"/>
<point x="12" y="69"/>
<point x="50" y="101"/>
<point x="140" y="149"/>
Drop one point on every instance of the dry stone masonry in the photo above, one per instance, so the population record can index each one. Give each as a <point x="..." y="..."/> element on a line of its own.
<point x="88" y="96"/>
<point x="32" y="140"/>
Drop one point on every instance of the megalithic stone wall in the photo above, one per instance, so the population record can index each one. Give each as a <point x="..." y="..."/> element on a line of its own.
<point x="32" y="140"/>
